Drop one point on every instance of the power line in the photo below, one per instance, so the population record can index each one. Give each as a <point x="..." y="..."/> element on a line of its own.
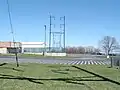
<point x="10" y="21"/>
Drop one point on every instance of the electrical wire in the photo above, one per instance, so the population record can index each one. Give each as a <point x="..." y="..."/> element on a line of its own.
<point x="10" y="21"/>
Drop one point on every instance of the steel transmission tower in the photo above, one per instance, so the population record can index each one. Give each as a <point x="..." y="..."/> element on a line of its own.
<point x="50" y="32"/>
<point x="62" y="26"/>
<point x="57" y="39"/>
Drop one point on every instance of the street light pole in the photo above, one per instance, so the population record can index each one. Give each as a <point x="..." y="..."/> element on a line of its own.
<point x="45" y="39"/>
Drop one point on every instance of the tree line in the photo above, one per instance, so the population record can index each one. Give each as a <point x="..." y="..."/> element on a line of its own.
<point x="82" y="50"/>
<point x="107" y="45"/>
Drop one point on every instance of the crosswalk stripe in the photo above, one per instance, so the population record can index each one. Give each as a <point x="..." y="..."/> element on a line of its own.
<point x="95" y="62"/>
<point x="82" y="62"/>
<point x="98" y="62"/>
<point x="78" y="62"/>
<point x="74" y="63"/>
<point x="92" y="62"/>
<point x="103" y="63"/>
<point x="85" y="62"/>
<point x="88" y="62"/>
<point x="71" y="62"/>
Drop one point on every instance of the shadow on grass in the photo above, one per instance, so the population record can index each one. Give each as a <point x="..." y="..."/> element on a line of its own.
<point x="12" y="69"/>
<point x="80" y="84"/>
<point x="60" y="72"/>
<point x="97" y="75"/>
<point x="73" y="80"/>
<point x="65" y="70"/>
<point x="2" y="67"/>
<point x="24" y="65"/>
<point x="19" y="78"/>
<point x="3" y="64"/>
<point x="58" y="66"/>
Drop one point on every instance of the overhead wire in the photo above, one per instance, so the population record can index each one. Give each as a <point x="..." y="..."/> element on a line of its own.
<point x="12" y="31"/>
<point x="10" y="21"/>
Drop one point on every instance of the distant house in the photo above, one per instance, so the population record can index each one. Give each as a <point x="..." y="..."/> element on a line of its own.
<point x="10" y="47"/>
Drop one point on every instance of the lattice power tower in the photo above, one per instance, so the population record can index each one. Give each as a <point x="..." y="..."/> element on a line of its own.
<point x="57" y="38"/>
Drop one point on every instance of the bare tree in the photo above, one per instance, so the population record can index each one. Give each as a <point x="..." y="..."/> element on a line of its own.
<point x="81" y="50"/>
<point x="75" y="50"/>
<point x="109" y="44"/>
<point x="97" y="50"/>
<point x="89" y="49"/>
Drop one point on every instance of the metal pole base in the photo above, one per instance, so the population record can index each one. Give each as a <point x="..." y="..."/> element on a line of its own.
<point x="16" y="56"/>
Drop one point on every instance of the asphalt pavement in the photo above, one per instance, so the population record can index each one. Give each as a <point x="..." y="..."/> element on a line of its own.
<point x="67" y="61"/>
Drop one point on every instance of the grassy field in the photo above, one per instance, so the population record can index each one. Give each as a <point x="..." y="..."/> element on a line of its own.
<point x="57" y="77"/>
<point x="34" y="56"/>
<point x="53" y="57"/>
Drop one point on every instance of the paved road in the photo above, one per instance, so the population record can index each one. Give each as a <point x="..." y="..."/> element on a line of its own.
<point x="78" y="61"/>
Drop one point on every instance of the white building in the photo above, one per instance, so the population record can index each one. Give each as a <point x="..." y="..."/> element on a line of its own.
<point x="27" y="48"/>
<point x="32" y="47"/>
<point x="9" y="47"/>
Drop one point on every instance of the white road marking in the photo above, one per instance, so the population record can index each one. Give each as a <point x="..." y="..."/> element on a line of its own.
<point x="88" y="62"/>
<point x="98" y="62"/>
<point x="92" y="62"/>
<point x="74" y="62"/>
<point x="71" y="62"/>
<point x="78" y="62"/>
<point x="81" y="62"/>
<point x="85" y="62"/>
<point x="103" y="63"/>
<point x="95" y="62"/>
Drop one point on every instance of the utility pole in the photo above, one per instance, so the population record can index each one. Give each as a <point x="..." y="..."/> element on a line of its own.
<point x="50" y="35"/>
<point x="111" y="59"/>
<point x="60" y="40"/>
<point x="12" y="31"/>
<point x="64" y="34"/>
<point x="63" y="30"/>
<point x="53" y="44"/>
<point x="45" y="40"/>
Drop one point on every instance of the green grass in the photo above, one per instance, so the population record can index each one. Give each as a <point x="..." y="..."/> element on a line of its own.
<point x="56" y="77"/>
<point x="7" y="54"/>
<point x="29" y="55"/>
<point x="35" y="56"/>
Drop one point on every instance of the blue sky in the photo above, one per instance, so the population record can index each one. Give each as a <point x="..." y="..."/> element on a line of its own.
<point x="87" y="21"/>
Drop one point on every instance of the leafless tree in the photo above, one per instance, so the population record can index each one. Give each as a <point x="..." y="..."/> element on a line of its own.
<point x="75" y="50"/>
<point x="80" y="50"/>
<point x="97" y="50"/>
<point x="109" y="44"/>
<point x="89" y="49"/>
